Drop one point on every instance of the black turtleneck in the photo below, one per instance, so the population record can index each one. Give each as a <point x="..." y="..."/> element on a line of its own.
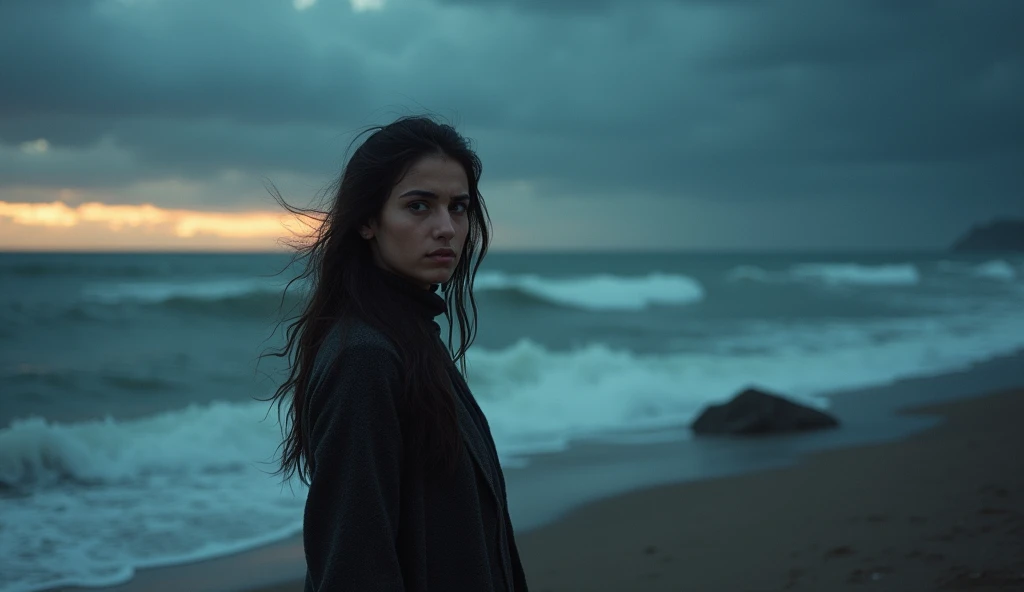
<point x="425" y="303"/>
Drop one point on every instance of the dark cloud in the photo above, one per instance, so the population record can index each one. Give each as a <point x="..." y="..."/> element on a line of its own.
<point x="116" y="60"/>
<point x="153" y="148"/>
<point x="739" y="100"/>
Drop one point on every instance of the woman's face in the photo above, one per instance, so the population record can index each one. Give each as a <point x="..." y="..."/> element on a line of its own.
<point x="425" y="211"/>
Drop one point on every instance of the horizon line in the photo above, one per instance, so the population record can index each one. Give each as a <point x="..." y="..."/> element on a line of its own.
<point x="582" y="250"/>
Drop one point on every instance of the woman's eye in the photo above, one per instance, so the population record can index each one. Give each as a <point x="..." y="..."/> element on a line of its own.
<point x="460" y="207"/>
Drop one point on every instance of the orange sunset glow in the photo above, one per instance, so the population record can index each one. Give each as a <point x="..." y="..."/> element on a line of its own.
<point x="99" y="226"/>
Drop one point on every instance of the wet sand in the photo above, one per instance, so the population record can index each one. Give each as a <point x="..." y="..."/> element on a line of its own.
<point x="941" y="510"/>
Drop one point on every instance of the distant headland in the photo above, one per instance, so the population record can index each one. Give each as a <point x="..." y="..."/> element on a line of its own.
<point x="998" y="235"/>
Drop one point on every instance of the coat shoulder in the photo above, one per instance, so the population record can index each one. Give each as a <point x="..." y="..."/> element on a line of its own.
<point x="351" y="335"/>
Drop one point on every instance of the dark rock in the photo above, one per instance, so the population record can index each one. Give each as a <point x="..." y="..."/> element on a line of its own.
<point x="758" y="412"/>
<point x="999" y="235"/>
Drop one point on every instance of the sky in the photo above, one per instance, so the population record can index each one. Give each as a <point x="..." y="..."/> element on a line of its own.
<point x="601" y="124"/>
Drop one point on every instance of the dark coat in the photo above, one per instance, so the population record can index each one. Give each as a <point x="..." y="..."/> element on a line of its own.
<point x="371" y="521"/>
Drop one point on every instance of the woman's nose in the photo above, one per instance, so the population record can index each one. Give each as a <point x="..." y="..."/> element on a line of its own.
<point x="446" y="226"/>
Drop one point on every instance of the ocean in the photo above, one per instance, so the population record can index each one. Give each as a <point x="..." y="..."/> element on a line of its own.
<point x="130" y="433"/>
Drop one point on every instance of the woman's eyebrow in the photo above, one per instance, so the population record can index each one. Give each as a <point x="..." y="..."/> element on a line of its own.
<point x="432" y="195"/>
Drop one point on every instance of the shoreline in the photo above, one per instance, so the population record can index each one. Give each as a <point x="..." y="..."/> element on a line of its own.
<point x="943" y="509"/>
<point x="277" y="567"/>
<point x="916" y="514"/>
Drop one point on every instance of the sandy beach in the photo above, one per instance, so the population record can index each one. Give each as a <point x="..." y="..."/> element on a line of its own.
<point x="941" y="510"/>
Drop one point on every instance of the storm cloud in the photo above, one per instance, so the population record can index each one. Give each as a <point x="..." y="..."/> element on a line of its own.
<point x="760" y="105"/>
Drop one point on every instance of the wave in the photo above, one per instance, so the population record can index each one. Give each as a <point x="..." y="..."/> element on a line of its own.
<point x="997" y="269"/>
<point x="35" y="453"/>
<point x="833" y="274"/>
<point x="250" y="298"/>
<point x="536" y="397"/>
<point x="602" y="292"/>
<point x="195" y="478"/>
<point x="856" y="274"/>
<point x="160" y="292"/>
<point x="259" y="298"/>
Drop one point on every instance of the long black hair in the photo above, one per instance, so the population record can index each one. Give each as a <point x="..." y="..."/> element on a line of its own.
<point x="337" y="270"/>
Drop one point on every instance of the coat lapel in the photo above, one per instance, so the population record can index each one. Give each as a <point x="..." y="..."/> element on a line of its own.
<point x="474" y="439"/>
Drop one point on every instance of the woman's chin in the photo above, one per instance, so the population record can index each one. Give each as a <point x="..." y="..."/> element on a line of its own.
<point x="440" y="277"/>
<point x="435" y="275"/>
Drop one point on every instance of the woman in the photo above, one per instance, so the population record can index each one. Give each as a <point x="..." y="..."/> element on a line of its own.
<point x="405" y="488"/>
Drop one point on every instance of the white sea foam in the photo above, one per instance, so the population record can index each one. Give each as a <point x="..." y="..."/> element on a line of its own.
<point x="833" y="274"/>
<point x="857" y="274"/>
<point x="219" y="437"/>
<point x="995" y="270"/>
<point x="96" y="500"/>
<point x="601" y="292"/>
<point x="539" y="399"/>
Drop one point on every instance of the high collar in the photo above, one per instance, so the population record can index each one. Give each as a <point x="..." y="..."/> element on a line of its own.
<point x="425" y="303"/>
